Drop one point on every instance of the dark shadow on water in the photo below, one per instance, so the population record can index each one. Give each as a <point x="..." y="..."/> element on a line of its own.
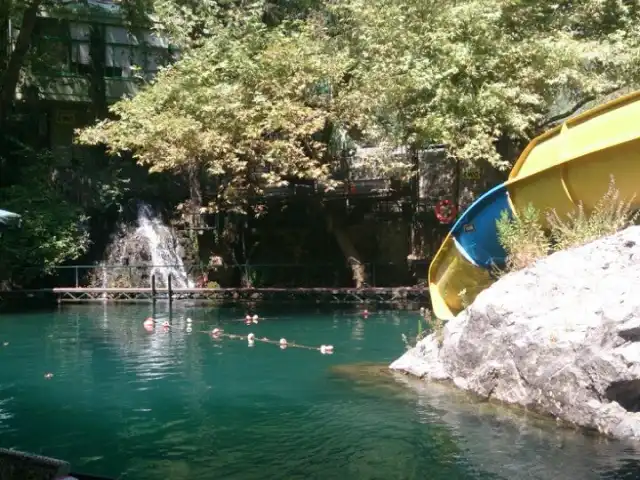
<point x="504" y="441"/>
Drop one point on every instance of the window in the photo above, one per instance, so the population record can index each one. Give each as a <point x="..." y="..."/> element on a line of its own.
<point x="124" y="58"/>
<point x="119" y="36"/>
<point x="50" y="46"/>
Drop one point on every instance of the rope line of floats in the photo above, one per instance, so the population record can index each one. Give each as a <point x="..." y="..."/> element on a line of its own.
<point x="217" y="333"/>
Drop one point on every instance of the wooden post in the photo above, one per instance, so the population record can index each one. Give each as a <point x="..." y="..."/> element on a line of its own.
<point x="153" y="287"/>
<point x="169" y="289"/>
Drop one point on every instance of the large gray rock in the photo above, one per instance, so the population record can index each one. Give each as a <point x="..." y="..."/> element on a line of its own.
<point x="561" y="337"/>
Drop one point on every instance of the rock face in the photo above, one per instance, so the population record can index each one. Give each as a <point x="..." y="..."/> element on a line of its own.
<point x="561" y="337"/>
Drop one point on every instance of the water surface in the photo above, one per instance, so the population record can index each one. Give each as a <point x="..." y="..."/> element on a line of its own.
<point x="179" y="405"/>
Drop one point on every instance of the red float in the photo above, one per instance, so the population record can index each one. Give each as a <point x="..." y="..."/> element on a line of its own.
<point x="445" y="211"/>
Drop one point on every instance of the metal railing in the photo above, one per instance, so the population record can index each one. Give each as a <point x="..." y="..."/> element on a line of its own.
<point x="336" y="275"/>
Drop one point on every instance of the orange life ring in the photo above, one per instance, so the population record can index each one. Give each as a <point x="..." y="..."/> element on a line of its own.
<point x="445" y="211"/>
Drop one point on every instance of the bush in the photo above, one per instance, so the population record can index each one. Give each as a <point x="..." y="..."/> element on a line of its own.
<point x="525" y="240"/>
<point x="609" y="215"/>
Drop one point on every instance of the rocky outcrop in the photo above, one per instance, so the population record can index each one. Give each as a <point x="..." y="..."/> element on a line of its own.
<point x="561" y="337"/>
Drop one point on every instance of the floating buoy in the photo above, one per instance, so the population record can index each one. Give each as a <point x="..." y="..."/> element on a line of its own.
<point x="166" y="324"/>
<point x="251" y="337"/>
<point x="255" y="319"/>
<point x="247" y="319"/>
<point x="149" y="322"/>
<point x="189" y="320"/>
<point x="189" y="329"/>
<point x="5" y="344"/>
<point x="283" y="343"/>
<point x="326" y="349"/>
<point x="216" y="332"/>
<point x="48" y="375"/>
<point x="365" y="313"/>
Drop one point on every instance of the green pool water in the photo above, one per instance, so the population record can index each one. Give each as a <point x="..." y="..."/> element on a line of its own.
<point x="176" y="405"/>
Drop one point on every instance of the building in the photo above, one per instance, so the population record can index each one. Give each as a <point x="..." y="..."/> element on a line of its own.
<point x="83" y="58"/>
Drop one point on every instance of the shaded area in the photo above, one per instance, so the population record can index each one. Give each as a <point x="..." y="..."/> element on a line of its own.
<point x="506" y="442"/>
<point x="8" y="219"/>
<point x="626" y="393"/>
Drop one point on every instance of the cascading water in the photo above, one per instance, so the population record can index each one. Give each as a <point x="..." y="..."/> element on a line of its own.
<point x="139" y="252"/>
<point x="164" y="249"/>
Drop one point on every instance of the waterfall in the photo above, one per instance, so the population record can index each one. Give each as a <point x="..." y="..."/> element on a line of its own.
<point x="140" y="251"/>
<point x="164" y="249"/>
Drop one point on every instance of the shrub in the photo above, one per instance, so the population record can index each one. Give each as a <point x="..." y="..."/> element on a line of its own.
<point x="525" y="240"/>
<point x="609" y="215"/>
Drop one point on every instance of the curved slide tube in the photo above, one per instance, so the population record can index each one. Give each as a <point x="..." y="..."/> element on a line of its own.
<point x="462" y="266"/>
<point x="569" y="165"/>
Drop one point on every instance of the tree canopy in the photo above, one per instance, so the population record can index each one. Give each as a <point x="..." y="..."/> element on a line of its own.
<point x="266" y="91"/>
<point x="252" y="102"/>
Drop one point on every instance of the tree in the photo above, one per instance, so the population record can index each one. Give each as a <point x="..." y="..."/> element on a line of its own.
<point x="466" y="73"/>
<point x="256" y="100"/>
<point x="33" y="181"/>
<point x="249" y="106"/>
<point x="463" y="73"/>
<point x="26" y="12"/>
<point x="53" y="230"/>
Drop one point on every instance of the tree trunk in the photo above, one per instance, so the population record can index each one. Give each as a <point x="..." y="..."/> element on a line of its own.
<point x="358" y="269"/>
<point x="11" y="75"/>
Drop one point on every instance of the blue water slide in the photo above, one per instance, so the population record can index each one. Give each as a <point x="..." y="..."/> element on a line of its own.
<point x="475" y="233"/>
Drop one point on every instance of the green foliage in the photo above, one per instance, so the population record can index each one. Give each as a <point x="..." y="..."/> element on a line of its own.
<point x="256" y="102"/>
<point x="610" y="215"/>
<point x="467" y="73"/>
<point x="53" y="230"/>
<point x="266" y="91"/>
<point x="522" y="237"/>
<point x="239" y="107"/>
<point x="525" y="239"/>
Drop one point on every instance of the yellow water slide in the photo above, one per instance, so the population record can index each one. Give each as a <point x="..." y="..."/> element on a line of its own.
<point x="570" y="164"/>
<point x="574" y="162"/>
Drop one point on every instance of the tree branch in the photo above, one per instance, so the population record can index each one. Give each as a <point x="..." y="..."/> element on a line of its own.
<point x="576" y="107"/>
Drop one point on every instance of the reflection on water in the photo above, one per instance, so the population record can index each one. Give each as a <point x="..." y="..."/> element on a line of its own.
<point x="180" y="405"/>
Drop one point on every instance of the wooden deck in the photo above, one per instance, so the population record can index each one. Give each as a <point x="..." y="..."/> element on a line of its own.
<point x="318" y="295"/>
